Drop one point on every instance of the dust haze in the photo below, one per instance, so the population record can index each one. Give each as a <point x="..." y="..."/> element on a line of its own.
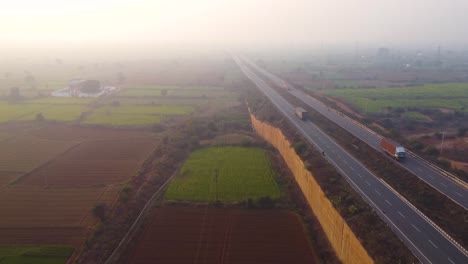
<point x="144" y="28"/>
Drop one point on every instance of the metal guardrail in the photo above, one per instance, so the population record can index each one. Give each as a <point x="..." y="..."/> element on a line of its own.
<point x="460" y="247"/>
<point x="419" y="158"/>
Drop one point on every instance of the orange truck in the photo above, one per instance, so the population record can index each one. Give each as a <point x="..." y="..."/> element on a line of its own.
<point x="393" y="149"/>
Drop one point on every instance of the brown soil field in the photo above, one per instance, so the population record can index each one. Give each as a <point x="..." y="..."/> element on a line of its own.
<point x="218" y="235"/>
<point x="40" y="216"/>
<point x="93" y="163"/>
<point x="7" y="176"/>
<point x="67" y="132"/>
<point x="24" y="153"/>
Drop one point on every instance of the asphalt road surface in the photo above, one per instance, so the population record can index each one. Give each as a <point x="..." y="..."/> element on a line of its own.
<point x="429" y="173"/>
<point x="411" y="226"/>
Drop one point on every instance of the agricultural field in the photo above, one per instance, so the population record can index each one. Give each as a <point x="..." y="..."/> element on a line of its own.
<point x="93" y="163"/>
<point x="374" y="100"/>
<point x="51" y="177"/>
<point x="16" y="154"/>
<point x="37" y="255"/>
<point x="231" y="174"/>
<point x="40" y="216"/>
<point x="185" y="91"/>
<point x="215" y="235"/>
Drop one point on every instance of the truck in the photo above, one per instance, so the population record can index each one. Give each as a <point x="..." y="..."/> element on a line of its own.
<point x="393" y="149"/>
<point x="301" y="113"/>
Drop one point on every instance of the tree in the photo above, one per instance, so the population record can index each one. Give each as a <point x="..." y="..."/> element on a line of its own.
<point x="91" y="86"/>
<point x="100" y="211"/>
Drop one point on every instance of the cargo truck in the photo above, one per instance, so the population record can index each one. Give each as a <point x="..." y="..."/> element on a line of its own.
<point x="301" y="113"/>
<point x="393" y="149"/>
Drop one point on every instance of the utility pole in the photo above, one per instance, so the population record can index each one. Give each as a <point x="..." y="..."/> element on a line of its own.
<point x="442" y="145"/>
<point x="216" y="184"/>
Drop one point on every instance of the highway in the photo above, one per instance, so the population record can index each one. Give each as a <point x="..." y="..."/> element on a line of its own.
<point x="410" y="225"/>
<point x="454" y="189"/>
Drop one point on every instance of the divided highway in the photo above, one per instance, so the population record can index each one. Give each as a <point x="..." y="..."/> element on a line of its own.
<point x="454" y="189"/>
<point x="410" y="225"/>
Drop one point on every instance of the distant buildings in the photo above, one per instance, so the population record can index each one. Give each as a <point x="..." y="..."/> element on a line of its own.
<point x="84" y="88"/>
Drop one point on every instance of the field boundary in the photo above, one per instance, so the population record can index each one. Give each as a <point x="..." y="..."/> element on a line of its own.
<point x="138" y="221"/>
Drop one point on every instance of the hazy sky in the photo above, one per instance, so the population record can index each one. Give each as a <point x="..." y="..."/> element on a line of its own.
<point x="232" y="23"/>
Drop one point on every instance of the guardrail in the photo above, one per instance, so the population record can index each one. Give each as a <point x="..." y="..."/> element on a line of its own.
<point x="431" y="165"/>
<point x="460" y="247"/>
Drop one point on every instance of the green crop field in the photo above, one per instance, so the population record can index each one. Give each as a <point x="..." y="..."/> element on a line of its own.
<point x="62" y="100"/>
<point x="134" y="115"/>
<point x="175" y="92"/>
<point x="36" y="255"/>
<point x="242" y="173"/>
<point x="450" y="95"/>
<point x="114" y="119"/>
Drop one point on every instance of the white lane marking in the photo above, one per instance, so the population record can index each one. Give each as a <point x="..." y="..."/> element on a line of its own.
<point x="416" y="228"/>
<point x="402" y="215"/>
<point x="388" y="202"/>
<point x="451" y="260"/>
<point x="378" y="192"/>
<point x="344" y="161"/>
<point x="368" y="183"/>
<point x="459" y="194"/>
<point x="432" y="177"/>
<point x="445" y="185"/>
<point x="419" y="169"/>
<point x="360" y="176"/>
<point x="352" y="168"/>
<point x="432" y="243"/>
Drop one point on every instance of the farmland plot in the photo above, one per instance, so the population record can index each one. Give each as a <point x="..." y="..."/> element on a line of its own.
<point x="230" y="174"/>
<point x="93" y="163"/>
<point x="214" y="235"/>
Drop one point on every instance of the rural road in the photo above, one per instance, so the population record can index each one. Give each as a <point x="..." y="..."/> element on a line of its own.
<point x="421" y="237"/>
<point x="429" y="173"/>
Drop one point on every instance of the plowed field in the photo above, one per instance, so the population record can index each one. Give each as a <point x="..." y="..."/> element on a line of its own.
<point x="41" y="216"/>
<point x="213" y="235"/>
<point x="93" y="163"/>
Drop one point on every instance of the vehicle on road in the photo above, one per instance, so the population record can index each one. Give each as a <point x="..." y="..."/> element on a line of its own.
<point x="301" y="113"/>
<point x="393" y="149"/>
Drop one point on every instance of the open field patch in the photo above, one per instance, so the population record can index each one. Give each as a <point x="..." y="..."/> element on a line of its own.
<point x="214" y="235"/>
<point x="451" y="96"/>
<point x="134" y="115"/>
<point x="24" y="112"/>
<point x="37" y="255"/>
<point x="67" y="132"/>
<point x="36" y="207"/>
<point x="231" y="174"/>
<point x="24" y="153"/>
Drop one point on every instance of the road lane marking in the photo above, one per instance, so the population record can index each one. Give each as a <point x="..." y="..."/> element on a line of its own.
<point x="360" y="176"/>
<point x="388" y="202"/>
<point x="445" y="185"/>
<point x="416" y="228"/>
<point x="419" y="169"/>
<point x="432" y="177"/>
<point x="459" y="194"/>
<point x="451" y="260"/>
<point x="402" y="215"/>
<point x="368" y="183"/>
<point x="432" y="243"/>
<point x="345" y="162"/>
<point x="378" y="192"/>
<point x="352" y="168"/>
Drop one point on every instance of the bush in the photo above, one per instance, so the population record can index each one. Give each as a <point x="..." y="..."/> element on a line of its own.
<point x="100" y="211"/>
<point x="299" y="147"/>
